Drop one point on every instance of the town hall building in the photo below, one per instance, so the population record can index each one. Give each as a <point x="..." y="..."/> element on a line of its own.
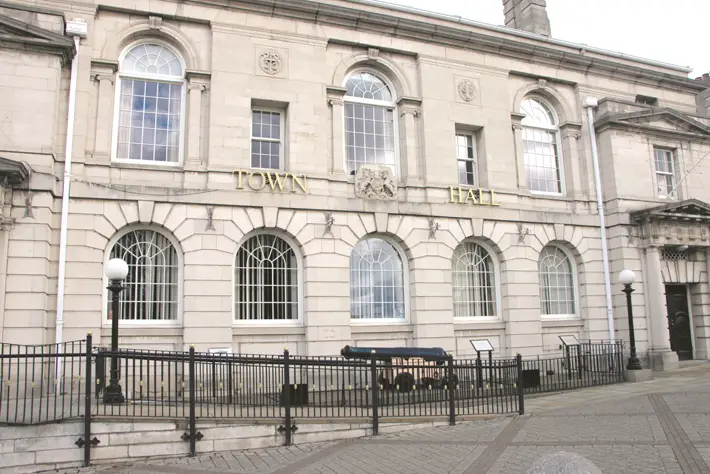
<point x="314" y="174"/>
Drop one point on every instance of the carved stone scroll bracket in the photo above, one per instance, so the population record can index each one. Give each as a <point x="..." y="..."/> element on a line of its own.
<point x="329" y="221"/>
<point x="522" y="233"/>
<point x="632" y="234"/>
<point x="433" y="227"/>
<point x="210" y="217"/>
<point x="375" y="182"/>
<point x="28" y="205"/>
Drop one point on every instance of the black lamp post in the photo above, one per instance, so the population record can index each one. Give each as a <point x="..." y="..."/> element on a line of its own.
<point x="626" y="277"/>
<point x="116" y="271"/>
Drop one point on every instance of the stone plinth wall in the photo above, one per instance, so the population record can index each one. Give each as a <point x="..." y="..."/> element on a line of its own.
<point x="25" y="449"/>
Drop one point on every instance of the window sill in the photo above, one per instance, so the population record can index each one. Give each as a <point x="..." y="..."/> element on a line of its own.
<point x="471" y="324"/>
<point x="297" y="323"/>
<point x="544" y="195"/>
<point x="147" y="166"/>
<point x="260" y="330"/>
<point x="148" y="331"/>
<point x="562" y="322"/>
<point x="388" y="327"/>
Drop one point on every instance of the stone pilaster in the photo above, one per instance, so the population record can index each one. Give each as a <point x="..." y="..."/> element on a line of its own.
<point x="519" y="156"/>
<point x="412" y="167"/>
<point x="198" y="84"/>
<point x="100" y="130"/>
<point x="336" y="165"/>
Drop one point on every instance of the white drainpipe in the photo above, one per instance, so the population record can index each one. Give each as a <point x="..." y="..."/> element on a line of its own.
<point x="78" y="29"/>
<point x="590" y="103"/>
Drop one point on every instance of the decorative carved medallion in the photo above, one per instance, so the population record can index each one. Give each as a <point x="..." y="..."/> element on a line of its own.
<point x="271" y="62"/>
<point x="467" y="90"/>
<point x="375" y="182"/>
<point x="433" y="227"/>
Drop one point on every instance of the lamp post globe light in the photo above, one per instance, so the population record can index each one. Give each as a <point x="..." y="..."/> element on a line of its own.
<point x="116" y="271"/>
<point x="626" y="278"/>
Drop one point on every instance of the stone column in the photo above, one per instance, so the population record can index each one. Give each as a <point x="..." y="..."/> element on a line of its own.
<point x="100" y="130"/>
<point x="197" y="86"/>
<point x="335" y="96"/>
<point x="519" y="157"/>
<point x="662" y="358"/>
<point x="411" y="166"/>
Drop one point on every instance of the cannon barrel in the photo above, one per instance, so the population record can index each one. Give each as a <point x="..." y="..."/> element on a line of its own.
<point x="387" y="353"/>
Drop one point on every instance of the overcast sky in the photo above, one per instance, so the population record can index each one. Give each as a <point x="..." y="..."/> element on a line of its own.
<point x="673" y="31"/>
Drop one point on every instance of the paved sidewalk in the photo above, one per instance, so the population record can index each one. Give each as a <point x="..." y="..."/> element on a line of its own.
<point x="662" y="426"/>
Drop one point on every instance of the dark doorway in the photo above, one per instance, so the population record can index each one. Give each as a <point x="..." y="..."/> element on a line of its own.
<point x="679" y="321"/>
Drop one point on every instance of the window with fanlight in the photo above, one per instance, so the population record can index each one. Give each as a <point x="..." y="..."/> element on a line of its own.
<point x="150" y="105"/>
<point x="474" y="282"/>
<point x="376" y="281"/>
<point x="369" y="122"/>
<point x="152" y="287"/>
<point x="557" y="281"/>
<point x="266" y="285"/>
<point x="541" y="153"/>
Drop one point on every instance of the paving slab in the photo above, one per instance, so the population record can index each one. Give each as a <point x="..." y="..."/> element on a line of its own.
<point x="659" y="426"/>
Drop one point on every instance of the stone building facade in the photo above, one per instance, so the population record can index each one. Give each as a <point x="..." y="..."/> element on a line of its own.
<point x="316" y="174"/>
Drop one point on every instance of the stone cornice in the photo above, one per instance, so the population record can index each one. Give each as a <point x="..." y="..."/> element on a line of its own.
<point x="608" y="123"/>
<point x="37" y="39"/>
<point x="386" y="21"/>
<point x="546" y="78"/>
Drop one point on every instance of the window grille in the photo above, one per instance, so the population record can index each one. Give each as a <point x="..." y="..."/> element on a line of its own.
<point x="474" y="281"/>
<point x="556" y="283"/>
<point x="673" y="254"/>
<point x="540" y="147"/>
<point x="369" y="122"/>
<point x="376" y="281"/>
<point x="151" y="288"/>
<point x="265" y="280"/>
<point x="150" y="105"/>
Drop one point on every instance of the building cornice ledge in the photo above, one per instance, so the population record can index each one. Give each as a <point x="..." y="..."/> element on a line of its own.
<point x="454" y="31"/>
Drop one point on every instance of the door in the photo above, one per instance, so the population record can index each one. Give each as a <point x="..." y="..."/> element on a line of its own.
<point x="679" y="321"/>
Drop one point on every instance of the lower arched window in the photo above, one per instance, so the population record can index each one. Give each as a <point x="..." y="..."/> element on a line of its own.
<point x="556" y="272"/>
<point x="265" y="280"/>
<point x="474" y="282"/>
<point x="151" y="289"/>
<point x="376" y="281"/>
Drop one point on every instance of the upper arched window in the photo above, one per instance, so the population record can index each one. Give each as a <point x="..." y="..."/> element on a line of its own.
<point x="150" y="105"/>
<point x="369" y="122"/>
<point x="151" y="289"/>
<point x="376" y="281"/>
<point x="540" y="147"/>
<point x="265" y="280"/>
<point x="557" y="293"/>
<point x="474" y="282"/>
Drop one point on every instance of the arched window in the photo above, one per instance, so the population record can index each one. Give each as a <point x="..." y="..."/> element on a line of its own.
<point x="540" y="147"/>
<point x="557" y="296"/>
<point x="369" y="122"/>
<point x="151" y="289"/>
<point x="376" y="281"/>
<point x="150" y="105"/>
<point x="265" y="280"/>
<point x="474" y="282"/>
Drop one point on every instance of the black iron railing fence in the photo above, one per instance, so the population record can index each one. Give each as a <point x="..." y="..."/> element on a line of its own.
<point x="50" y="383"/>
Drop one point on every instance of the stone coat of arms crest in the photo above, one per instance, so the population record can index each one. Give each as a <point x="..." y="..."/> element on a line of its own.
<point x="375" y="182"/>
